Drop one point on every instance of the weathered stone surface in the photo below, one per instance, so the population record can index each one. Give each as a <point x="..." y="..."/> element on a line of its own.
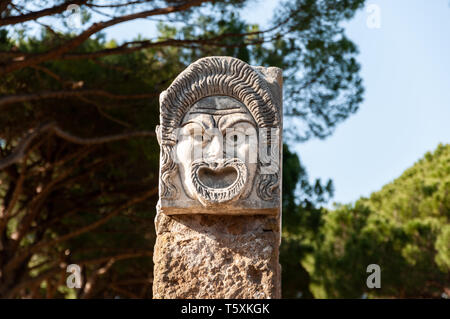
<point x="219" y="213"/>
<point x="201" y="256"/>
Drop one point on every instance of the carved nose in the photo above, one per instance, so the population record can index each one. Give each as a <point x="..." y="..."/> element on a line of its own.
<point x="214" y="165"/>
<point x="214" y="150"/>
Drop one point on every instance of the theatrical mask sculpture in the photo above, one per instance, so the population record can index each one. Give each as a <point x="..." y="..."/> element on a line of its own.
<point x="219" y="134"/>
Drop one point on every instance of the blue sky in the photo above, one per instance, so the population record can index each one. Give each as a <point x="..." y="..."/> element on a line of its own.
<point x="406" y="111"/>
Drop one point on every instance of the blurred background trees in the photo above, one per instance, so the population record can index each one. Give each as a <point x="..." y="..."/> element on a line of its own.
<point x="404" y="228"/>
<point x="79" y="158"/>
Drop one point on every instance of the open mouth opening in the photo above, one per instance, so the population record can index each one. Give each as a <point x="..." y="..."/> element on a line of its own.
<point x="217" y="178"/>
<point x="218" y="182"/>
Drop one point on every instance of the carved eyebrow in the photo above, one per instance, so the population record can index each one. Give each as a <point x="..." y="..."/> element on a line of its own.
<point x="205" y="122"/>
<point x="234" y="122"/>
<point x="196" y="122"/>
<point x="193" y="121"/>
<point x="201" y="108"/>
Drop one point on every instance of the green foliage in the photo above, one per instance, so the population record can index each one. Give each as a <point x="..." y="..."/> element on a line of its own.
<point x="326" y="87"/>
<point x="404" y="228"/>
<point x="422" y="190"/>
<point x="100" y="178"/>
<point x="321" y="75"/>
<point x="301" y="221"/>
<point x="61" y="188"/>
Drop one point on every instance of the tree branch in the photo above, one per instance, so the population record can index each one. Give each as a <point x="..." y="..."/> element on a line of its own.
<point x="70" y="93"/>
<point x="125" y="48"/>
<point x="19" y="151"/>
<point x="132" y="46"/>
<point x="99" y="108"/>
<point x="121" y="256"/>
<point x="38" y="14"/>
<point x="117" y="5"/>
<point x="4" y="4"/>
<point x="94" y="28"/>
<point x="20" y="256"/>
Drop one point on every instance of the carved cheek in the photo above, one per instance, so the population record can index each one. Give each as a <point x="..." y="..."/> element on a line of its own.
<point x="242" y="152"/>
<point x="184" y="151"/>
<point x="248" y="149"/>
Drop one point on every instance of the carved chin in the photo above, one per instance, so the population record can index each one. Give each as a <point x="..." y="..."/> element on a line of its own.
<point x="218" y="182"/>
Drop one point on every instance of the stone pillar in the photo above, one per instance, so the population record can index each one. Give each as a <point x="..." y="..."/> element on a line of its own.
<point x="218" y="217"/>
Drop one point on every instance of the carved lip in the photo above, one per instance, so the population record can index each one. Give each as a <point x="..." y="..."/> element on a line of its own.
<point x="218" y="182"/>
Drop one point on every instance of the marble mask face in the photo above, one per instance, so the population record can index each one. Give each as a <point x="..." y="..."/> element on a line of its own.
<point x="217" y="151"/>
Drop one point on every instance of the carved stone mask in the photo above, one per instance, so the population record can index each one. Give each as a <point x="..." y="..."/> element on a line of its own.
<point x="216" y="150"/>
<point x="219" y="136"/>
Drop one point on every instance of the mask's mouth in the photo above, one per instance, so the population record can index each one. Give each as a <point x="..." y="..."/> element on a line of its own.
<point x="217" y="178"/>
<point x="219" y="181"/>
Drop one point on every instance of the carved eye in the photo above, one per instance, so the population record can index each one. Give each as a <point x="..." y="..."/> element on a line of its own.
<point x="199" y="137"/>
